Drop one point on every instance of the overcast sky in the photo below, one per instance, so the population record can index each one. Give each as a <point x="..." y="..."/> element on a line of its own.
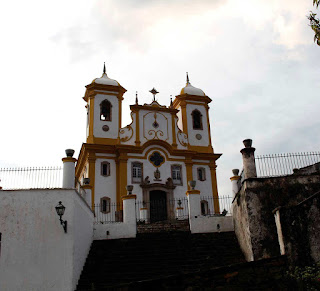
<point x="255" y="59"/>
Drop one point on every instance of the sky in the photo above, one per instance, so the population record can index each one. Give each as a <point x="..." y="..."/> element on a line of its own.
<point x="256" y="60"/>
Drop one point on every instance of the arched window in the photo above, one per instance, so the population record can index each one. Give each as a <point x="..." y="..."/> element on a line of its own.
<point x="176" y="174"/>
<point x="196" y="119"/>
<point x="204" y="207"/>
<point x="137" y="172"/>
<point x="201" y="174"/>
<point x="105" y="110"/>
<point x="105" y="169"/>
<point x="105" y="204"/>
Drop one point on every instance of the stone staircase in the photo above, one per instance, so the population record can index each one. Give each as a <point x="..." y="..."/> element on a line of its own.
<point x="164" y="226"/>
<point x="117" y="264"/>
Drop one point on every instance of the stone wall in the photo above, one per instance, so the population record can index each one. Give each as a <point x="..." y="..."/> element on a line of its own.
<point x="253" y="205"/>
<point x="300" y="228"/>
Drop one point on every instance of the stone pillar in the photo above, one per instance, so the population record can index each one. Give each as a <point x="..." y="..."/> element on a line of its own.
<point x="194" y="203"/>
<point x="235" y="181"/>
<point x="276" y="213"/>
<point x="249" y="165"/>
<point x="129" y="208"/>
<point x="69" y="170"/>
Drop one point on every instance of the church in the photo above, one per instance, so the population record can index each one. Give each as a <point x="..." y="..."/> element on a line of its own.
<point x="157" y="154"/>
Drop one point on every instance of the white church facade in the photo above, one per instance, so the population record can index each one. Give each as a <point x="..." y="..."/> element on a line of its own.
<point x="157" y="153"/>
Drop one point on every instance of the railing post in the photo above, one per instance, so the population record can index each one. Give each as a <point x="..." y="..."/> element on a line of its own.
<point x="193" y="202"/>
<point x="235" y="181"/>
<point x="69" y="170"/>
<point x="249" y="165"/>
<point x="129" y="208"/>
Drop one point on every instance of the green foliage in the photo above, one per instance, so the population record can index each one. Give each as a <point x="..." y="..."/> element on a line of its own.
<point x="308" y="275"/>
<point x="315" y="23"/>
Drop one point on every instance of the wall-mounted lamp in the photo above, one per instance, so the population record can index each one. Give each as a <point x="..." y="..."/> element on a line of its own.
<point x="60" y="211"/>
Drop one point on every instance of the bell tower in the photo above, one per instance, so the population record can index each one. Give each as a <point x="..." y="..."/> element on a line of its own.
<point x="104" y="107"/>
<point x="194" y="117"/>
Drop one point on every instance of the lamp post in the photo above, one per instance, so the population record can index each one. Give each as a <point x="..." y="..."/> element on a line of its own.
<point x="60" y="211"/>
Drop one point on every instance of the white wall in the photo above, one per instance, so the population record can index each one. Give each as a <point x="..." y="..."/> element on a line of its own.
<point x="113" y="124"/>
<point x="148" y="132"/>
<point x="165" y="170"/>
<point x="105" y="186"/>
<point x="204" y="224"/>
<point x="192" y="132"/>
<point x="36" y="253"/>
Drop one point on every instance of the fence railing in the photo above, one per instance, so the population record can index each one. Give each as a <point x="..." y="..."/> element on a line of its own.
<point x="30" y="177"/>
<point x="160" y="210"/>
<point x="108" y="213"/>
<point x="283" y="164"/>
<point x="208" y="205"/>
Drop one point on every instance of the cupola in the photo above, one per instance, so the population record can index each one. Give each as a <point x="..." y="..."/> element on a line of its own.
<point x="191" y="90"/>
<point x="105" y="80"/>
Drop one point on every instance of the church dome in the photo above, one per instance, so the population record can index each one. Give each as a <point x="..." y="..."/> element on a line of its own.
<point x="105" y="80"/>
<point x="190" y="90"/>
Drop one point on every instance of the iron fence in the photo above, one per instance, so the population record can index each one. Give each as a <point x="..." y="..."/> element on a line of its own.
<point x="216" y="206"/>
<point x="283" y="164"/>
<point x="31" y="177"/>
<point x="108" y="213"/>
<point x="161" y="210"/>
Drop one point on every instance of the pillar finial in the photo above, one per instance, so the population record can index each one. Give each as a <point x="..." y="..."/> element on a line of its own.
<point x="188" y="82"/>
<point x="136" y="97"/>
<point x="171" y="104"/>
<point x="104" y="67"/>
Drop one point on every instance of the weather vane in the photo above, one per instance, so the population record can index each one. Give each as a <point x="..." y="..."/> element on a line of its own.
<point x="154" y="92"/>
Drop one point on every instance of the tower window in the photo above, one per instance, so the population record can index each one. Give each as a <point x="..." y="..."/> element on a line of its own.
<point x="201" y="174"/>
<point x="105" y="204"/>
<point x="105" y="169"/>
<point x="176" y="174"/>
<point x="204" y="207"/>
<point x="105" y="110"/>
<point x="196" y="119"/>
<point x="137" y="169"/>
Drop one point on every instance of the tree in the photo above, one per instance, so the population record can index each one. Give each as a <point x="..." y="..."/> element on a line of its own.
<point x="315" y="23"/>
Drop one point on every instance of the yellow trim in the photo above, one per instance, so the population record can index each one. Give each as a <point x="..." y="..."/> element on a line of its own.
<point x="153" y="163"/>
<point x="92" y="175"/>
<point x="174" y="138"/>
<point x="86" y="186"/>
<point x="179" y="208"/>
<point x="69" y="159"/>
<point x="131" y="196"/>
<point x="137" y="142"/>
<point x="183" y="106"/>
<point x="153" y="108"/>
<point x="235" y="178"/>
<point x="214" y="188"/>
<point x="91" y="119"/>
<point x="120" y="116"/>
<point x="201" y="149"/>
<point x="192" y="192"/>
<point x="104" y="140"/>
<point x="209" y="130"/>
<point x="144" y="208"/>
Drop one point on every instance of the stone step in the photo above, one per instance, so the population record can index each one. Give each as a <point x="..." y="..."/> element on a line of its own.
<point x="152" y="255"/>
